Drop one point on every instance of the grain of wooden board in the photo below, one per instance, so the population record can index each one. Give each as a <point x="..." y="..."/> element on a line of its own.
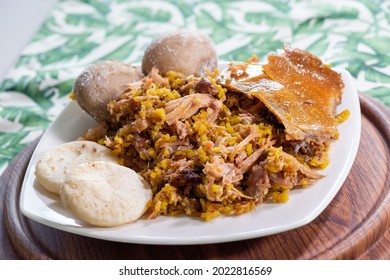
<point x="356" y="224"/>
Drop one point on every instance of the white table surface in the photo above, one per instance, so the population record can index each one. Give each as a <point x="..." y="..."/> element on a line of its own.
<point x="19" y="21"/>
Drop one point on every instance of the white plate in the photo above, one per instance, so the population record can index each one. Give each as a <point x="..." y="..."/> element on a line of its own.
<point x="303" y="206"/>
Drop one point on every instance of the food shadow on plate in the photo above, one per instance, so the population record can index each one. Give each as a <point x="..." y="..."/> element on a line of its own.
<point x="53" y="202"/>
<point x="178" y="221"/>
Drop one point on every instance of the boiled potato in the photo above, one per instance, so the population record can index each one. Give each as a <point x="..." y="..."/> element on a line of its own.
<point x="185" y="51"/>
<point x="102" y="82"/>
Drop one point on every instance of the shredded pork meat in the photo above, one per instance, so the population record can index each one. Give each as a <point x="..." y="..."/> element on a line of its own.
<point x="185" y="107"/>
<point x="212" y="145"/>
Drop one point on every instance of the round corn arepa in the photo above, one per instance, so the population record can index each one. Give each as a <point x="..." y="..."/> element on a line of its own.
<point x="105" y="194"/>
<point x="56" y="163"/>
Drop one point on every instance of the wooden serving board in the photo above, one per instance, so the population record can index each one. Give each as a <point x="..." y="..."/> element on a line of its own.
<point x="356" y="224"/>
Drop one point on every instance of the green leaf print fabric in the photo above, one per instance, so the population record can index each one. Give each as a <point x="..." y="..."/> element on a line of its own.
<point x="354" y="35"/>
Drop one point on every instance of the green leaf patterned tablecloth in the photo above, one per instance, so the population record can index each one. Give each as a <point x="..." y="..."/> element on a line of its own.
<point x="350" y="34"/>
